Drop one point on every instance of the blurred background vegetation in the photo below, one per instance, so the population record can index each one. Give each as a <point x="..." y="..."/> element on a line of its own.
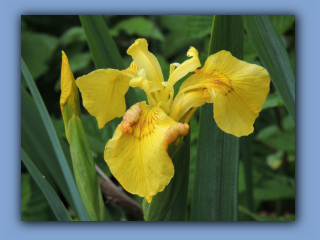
<point x="267" y="157"/>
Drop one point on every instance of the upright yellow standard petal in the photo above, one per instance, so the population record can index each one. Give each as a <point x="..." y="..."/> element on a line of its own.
<point x="146" y="60"/>
<point x="187" y="66"/>
<point x="137" y="153"/>
<point x="103" y="93"/>
<point x="238" y="91"/>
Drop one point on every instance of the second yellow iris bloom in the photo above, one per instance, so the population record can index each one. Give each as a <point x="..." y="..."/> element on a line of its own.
<point x="137" y="153"/>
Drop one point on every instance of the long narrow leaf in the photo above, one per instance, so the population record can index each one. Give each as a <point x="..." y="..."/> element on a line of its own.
<point x="103" y="49"/>
<point x="53" y="199"/>
<point x="273" y="56"/>
<point x="33" y="135"/>
<point x="55" y="143"/>
<point x="216" y="177"/>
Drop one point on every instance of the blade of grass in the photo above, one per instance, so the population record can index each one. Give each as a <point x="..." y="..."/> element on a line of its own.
<point x="53" y="199"/>
<point x="82" y="214"/>
<point x="216" y="177"/>
<point x="273" y="56"/>
<point x="103" y="49"/>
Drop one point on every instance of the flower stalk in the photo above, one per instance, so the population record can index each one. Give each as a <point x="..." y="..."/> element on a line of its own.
<point x="82" y="161"/>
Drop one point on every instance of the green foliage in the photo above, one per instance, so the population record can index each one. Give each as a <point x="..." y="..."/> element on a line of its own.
<point x="280" y="187"/>
<point x="274" y="57"/>
<point x="72" y="35"/>
<point x="84" y="171"/>
<point x="53" y="199"/>
<point x="139" y="26"/>
<point x="265" y="218"/>
<point x="55" y="142"/>
<point x="102" y="47"/>
<point x="35" y="206"/>
<point x="199" y="26"/>
<point x="36" y="50"/>
<point x="274" y="137"/>
<point x="33" y="135"/>
<point x="176" y="40"/>
<point x="274" y="161"/>
<point x="273" y="100"/>
<point x="25" y="191"/>
<point x="282" y="23"/>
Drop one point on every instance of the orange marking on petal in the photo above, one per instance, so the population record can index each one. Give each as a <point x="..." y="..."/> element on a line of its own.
<point x="130" y="118"/>
<point x="176" y="131"/>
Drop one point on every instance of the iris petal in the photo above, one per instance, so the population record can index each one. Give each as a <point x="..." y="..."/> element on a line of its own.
<point x="146" y="60"/>
<point x="137" y="153"/>
<point x="238" y="91"/>
<point x="184" y="68"/>
<point x="103" y="93"/>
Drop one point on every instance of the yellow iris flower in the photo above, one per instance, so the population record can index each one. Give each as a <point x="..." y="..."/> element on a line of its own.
<point x="137" y="153"/>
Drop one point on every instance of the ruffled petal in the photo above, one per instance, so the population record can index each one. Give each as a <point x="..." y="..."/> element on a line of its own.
<point x="238" y="91"/>
<point x="103" y="93"/>
<point x="146" y="60"/>
<point x="137" y="153"/>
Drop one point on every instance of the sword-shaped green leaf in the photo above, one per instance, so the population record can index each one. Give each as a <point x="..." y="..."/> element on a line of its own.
<point x="215" y="194"/>
<point x="273" y="56"/>
<point x="33" y="135"/>
<point x="55" y="143"/>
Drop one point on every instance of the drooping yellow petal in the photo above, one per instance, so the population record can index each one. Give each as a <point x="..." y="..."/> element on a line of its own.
<point x="137" y="153"/>
<point x="238" y="91"/>
<point x="187" y="66"/>
<point x="146" y="60"/>
<point x="103" y="93"/>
